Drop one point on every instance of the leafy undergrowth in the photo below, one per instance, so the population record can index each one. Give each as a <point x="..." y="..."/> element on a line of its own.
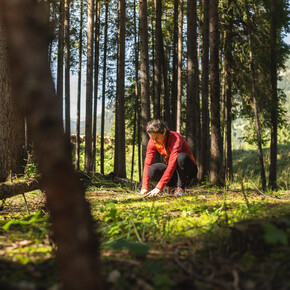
<point x="209" y="238"/>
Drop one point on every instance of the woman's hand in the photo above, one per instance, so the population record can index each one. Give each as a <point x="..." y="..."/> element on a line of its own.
<point x="153" y="192"/>
<point x="144" y="191"/>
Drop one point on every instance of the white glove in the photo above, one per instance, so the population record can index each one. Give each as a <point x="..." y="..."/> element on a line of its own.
<point x="153" y="192"/>
<point x="144" y="191"/>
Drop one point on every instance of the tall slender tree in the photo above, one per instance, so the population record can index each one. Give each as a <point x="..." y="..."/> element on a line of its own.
<point x="78" y="125"/>
<point x="89" y="85"/>
<point x="144" y="68"/>
<point x="216" y="148"/>
<point x="120" y="154"/>
<point x="228" y="60"/>
<point x="253" y="96"/>
<point x="67" y="68"/>
<point x="191" y="117"/>
<point x="204" y="168"/>
<point x="104" y="89"/>
<point x="96" y="79"/>
<point x="179" y="67"/>
<point x="174" y="66"/>
<point x="60" y="47"/>
<point x="274" y="102"/>
<point x="157" y="60"/>
<point x="137" y="102"/>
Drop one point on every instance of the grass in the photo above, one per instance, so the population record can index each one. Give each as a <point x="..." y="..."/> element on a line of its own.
<point x="210" y="238"/>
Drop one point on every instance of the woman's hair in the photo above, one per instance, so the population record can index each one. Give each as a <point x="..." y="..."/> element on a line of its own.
<point x="156" y="126"/>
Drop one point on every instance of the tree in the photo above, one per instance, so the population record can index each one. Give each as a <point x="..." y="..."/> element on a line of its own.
<point x="12" y="141"/>
<point x="67" y="68"/>
<point x="96" y="79"/>
<point x="120" y="154"/>
<point x="274" y="102"/>
<point x="228" y="60"/>
<point x="204" y="168"/>
<point x="179" y="67"/>
<point x="253" y="95"/>
<point x="89" y="85"/>
<point x="158" y="61"/>
<point x="59" y="85"/>
<point x="104" y="89"/>
<point x="192" y="77"/>
<point x="70" y="212"/>
<point x="144" y="68"/>
<point x="216" y="150"/>
<point x="77" y="161"/>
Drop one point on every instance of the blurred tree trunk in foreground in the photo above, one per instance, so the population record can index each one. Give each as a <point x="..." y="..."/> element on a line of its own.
<point x="33" y="84"/>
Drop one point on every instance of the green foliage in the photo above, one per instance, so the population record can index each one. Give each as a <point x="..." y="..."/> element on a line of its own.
<point x="135" y="249"/>
<point x="37" y="222"/>
<point x="274" y="236"/>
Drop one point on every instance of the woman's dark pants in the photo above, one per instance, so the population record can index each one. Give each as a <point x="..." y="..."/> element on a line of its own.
<point x="184" y="174"/>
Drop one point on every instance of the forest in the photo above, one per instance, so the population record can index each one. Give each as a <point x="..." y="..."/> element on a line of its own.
<point x="79" y="82"/>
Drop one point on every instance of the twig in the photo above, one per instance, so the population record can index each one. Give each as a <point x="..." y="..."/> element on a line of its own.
<point x="263" y="194"/>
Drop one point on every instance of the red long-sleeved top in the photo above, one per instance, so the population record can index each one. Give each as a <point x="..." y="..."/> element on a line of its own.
<point x="175" y="144"/>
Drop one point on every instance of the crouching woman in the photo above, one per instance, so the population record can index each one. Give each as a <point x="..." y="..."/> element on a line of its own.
<point x="179" y="169"/>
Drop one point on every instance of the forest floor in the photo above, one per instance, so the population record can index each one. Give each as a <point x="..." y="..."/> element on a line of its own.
<point x="210" y="238"/>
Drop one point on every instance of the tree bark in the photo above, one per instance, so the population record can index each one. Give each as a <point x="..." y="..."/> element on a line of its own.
<point x="136" y="106"/>
<point x="33" y="84"/>
<point x="253" y="95"/>
<point x="191" y="109"/>
<point x="120" y="153"/>
<point x="67" y="68"/>
<point x="204" y="168"/>
<point x="89" y="92"/>
<point x="96" y="80"/>
<point x="174" y="67"/>
<point x="104" y="90"/>
<point x="157" y="63"/>
<point x="10" y="189"/>
<point x="216" y="150"/>
<point x="228" y="60"/>
<point x="12" y="129"/>
<point x="144" y="67"/>
<point x="274" y="102"/>
<point x="179" y="67"/>
<point x="60" y="47"/>
<point x="77" y="156"/>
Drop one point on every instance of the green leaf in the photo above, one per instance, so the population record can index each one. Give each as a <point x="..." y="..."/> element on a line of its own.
<point x="136" y="249"/>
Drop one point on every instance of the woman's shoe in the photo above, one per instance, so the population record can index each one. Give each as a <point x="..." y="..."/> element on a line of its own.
<point x="170" y="190"/>
<point x="178" y="191"/>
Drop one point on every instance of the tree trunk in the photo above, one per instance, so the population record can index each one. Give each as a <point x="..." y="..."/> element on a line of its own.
<point x="120" y="152"/>
<point x="10" y="189"/>
<point x="77" y="156"/>
<point x="228" y="61"/>
<point x="12" y="131"/>
<point x="136" y="48"/>
<point x="104" y="90"/>
<point x="191" y="117"/>
<point x="96" y="80"/>
<point x="157" y="63"/>
<point x="274" y="106"/>
<point x="144" y="67"/>
<point x="253" y="95"/>
<point x="67" y="68"/>
<point x="204" y="168"/>
<point x="59" y="85"/>
<point x="216" y="150"/>
<point x="179" y="67"/>
<point x="71" y="220"/>
<point x="89" y="92"/>
<point x="174" y="67"/>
